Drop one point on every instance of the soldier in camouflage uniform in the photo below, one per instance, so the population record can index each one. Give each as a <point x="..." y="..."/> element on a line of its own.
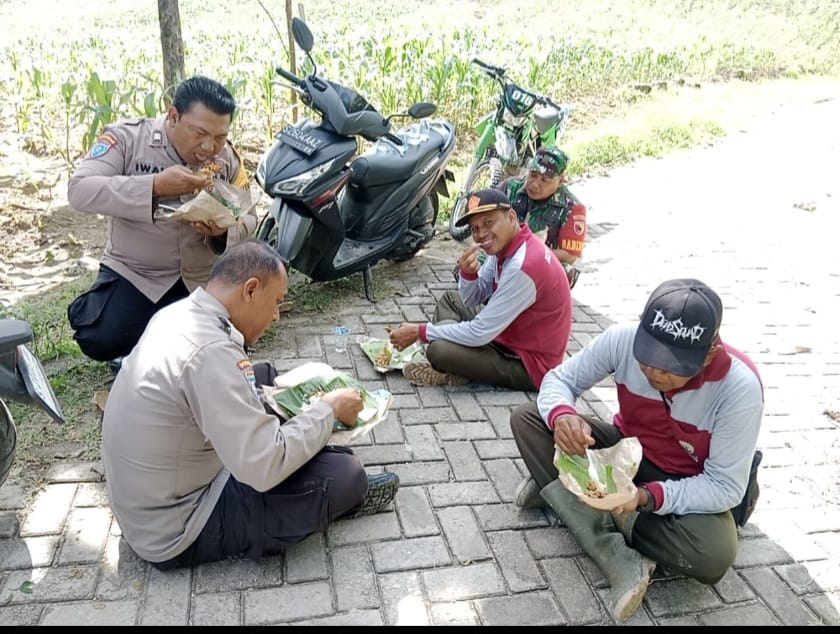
<point x="541" y="199"/>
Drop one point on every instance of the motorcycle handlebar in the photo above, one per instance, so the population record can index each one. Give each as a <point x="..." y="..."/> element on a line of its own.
<point x="393" y="138"/>
<point x="287" y="75"/>
<point x="547" y="101"/>
<point x="499" y="73"/>
<point x="496" y="71"/>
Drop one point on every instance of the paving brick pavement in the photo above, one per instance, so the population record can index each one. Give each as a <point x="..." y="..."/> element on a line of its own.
<point x="755" y="216"/>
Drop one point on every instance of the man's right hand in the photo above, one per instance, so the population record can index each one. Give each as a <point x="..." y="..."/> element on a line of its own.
<point x="469" y="260"/>
<point x="346" y="403"/>
<point x="405" y="335"/>
<point x="572" y="434"/>
<point x="177" y="180"/>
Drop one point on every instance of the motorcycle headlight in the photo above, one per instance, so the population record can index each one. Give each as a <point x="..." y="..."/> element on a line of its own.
<point x="511" y="119"/>
<point x="296" y="185"/>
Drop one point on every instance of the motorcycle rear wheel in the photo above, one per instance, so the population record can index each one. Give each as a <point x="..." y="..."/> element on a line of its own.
<point x="488" y="173"/>
<point x="8" y="442"/>
<point x="421" y="232"/>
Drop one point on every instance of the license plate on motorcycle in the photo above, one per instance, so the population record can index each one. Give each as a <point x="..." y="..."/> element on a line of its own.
<point x="37" y="384"/>
<point x="300" y="140"/>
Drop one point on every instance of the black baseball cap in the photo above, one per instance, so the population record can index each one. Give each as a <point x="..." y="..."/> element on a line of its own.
<point x="678" y="326"/>
<point x="483" y="200"/>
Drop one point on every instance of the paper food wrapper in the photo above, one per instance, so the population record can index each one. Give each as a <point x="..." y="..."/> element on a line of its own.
<point x="603" y="479"/>
<point x="205" y="206"/>
<point x="378" y="402"/>
<point x="385" y="357"/>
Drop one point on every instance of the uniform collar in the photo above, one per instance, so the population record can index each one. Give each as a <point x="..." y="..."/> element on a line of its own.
<point x="209" y="304"/>
<point x="715" y="371"/>
<point x="159" y="138"/>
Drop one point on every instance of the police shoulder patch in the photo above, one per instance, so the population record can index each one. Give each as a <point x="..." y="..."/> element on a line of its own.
<point x="248" y="373"/>
<point x="103" y="143"/>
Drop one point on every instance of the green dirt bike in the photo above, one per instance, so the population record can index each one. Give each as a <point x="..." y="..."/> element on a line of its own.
<point x="522" y="122"/>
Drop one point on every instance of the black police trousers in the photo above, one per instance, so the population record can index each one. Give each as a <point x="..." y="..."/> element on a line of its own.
<point x="108" y="318"/>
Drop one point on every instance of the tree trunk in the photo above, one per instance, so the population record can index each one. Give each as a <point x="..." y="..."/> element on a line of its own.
<point x="172" y="46"/>
<point x="292" y="59"/>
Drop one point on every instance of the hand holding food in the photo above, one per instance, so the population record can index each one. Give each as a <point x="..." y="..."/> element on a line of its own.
<point x="346" y="403"/>
<point x="405" y="335"/>
<point x="572" y="434"/>
<point x="177" y="180"/>
<point x="208" y="228"/>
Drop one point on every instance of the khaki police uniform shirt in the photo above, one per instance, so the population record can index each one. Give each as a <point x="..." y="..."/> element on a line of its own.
<point x="115" y="180"/>
<point x="182" y="415"/>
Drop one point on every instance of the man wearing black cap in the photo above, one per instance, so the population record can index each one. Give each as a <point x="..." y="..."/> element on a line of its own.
<point x="525" y="317"/>
<point x="694" y="403"/>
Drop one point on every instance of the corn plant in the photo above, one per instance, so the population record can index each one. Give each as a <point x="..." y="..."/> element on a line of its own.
<point x="68" y="93"/>
<point x="98" y="110"/>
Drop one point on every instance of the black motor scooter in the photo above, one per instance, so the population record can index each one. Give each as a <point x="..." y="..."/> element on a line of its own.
<point x="335" y="212"/>
<point x="22" y="379"/>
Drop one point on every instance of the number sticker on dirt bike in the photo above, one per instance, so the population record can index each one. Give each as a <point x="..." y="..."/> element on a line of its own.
<point x="519" y="101"/>
<point x="300" y="140"/>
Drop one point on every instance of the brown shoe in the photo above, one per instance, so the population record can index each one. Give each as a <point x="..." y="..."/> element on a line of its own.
<point x="422" y="373"/>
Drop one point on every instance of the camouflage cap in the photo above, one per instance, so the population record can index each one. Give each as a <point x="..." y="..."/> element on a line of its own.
<point x="550" y="161"/>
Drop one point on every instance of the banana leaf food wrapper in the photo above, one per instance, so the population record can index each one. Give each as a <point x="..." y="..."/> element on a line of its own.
<point x="604" y="478"/>
<point x="385" y="357"/>
<point x="299" y="389"/>
<point x="223" y="204"/>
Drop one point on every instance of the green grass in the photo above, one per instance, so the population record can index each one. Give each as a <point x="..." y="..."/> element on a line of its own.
<point x="648" y="77"/>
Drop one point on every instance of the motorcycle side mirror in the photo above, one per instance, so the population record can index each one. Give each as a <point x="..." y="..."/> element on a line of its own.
<point x="422" y="109"/>
<point x="302" y="34"/>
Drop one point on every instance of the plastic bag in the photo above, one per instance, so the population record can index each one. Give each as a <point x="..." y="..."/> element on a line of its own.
<point x="223" y="205"/>
<point x="296" y="390"/>
<point x="385" y="357"/>
<point x="604" y="479"/>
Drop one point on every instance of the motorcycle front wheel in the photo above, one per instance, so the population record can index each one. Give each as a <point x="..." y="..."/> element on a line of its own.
<point x="487" y="174"/>
<point x="267" y="232"/>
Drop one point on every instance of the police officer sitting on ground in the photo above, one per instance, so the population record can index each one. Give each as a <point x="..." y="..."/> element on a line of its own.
<point x="133" y="166"/>
<point x="197" y="469"/>
<point x="523" y="329"/>
<point x="694" y="403"/>
<point x="551" y="210"/>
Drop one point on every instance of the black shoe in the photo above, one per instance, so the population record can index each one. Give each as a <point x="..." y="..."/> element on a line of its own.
<point x="742" y="512"/>
<point x="382" y="488"/>
<point x="573" y="274"/>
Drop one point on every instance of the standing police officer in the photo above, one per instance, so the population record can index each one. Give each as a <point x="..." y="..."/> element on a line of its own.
<point x="134" y="166"/>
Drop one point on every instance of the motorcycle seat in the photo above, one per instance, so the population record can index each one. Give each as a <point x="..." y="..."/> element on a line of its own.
<point x="373" y="168"/>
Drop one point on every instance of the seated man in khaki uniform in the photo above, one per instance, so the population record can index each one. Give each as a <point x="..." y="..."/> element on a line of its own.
<point x="197" y="469"/>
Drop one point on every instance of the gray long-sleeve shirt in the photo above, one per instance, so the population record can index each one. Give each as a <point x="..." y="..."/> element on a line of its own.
<point x="115" y="180"/>
<point x="183" y="413"/>
<point x="705" y="431"/>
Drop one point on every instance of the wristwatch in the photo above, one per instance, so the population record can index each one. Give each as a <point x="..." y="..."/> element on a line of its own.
<point x="650" y="505"/>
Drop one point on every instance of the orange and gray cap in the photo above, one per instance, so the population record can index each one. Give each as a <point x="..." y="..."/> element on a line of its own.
<point x="481" y="201"/>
